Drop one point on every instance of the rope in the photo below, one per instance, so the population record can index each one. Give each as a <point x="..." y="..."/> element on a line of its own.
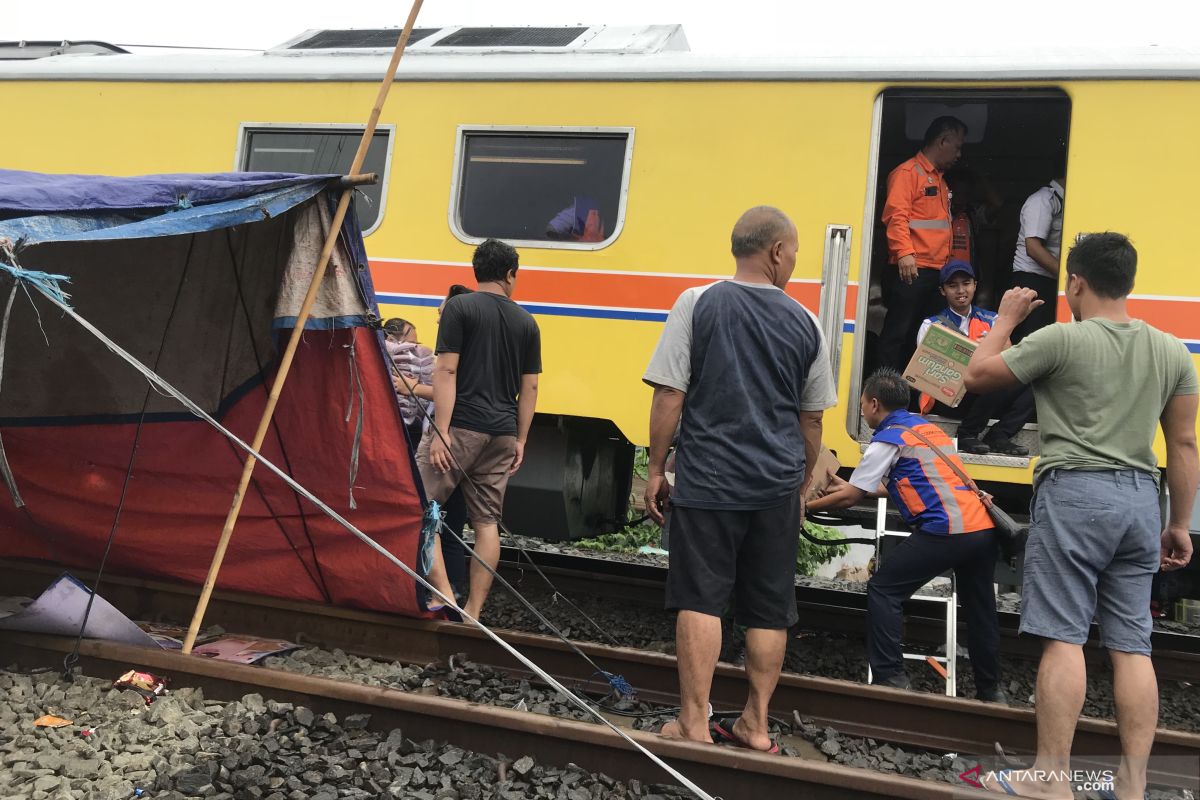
<point x="159" y="382"/>
<point x="617" y="682"/>
<point x="10" y="480"/>
<point x="500" y="524"/>
<point x="72" y="658"/>
<point x="318" y="578"/>
<point x="355" y="382"/>
<point x="833" y="542"/>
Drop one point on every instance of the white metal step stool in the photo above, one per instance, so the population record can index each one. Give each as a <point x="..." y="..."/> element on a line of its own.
<point x="950" y="660"/>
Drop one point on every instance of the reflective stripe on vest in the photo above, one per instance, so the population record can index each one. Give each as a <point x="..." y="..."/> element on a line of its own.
<point x="928" y="224"/>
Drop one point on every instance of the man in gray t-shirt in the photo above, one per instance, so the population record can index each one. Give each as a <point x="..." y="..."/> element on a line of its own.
<point x="742" y="370"/>
<point x="1103" y="385"/>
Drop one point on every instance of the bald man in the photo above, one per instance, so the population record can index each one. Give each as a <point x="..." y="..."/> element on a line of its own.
<point x="753" y="367"/>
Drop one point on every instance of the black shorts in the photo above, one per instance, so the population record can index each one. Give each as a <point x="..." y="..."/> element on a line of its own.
<point x="747" y="555"/>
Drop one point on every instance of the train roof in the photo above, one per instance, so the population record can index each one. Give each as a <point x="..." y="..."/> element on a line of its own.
<point x="583" y="53"/>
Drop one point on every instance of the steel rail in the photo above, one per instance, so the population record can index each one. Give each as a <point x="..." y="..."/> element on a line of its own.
<point x="1177" y="655"/>
<point x="727" y="772"/>
<point x="913" y="719"/>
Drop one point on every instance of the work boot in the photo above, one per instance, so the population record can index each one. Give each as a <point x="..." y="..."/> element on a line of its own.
<point x="1005" y="447"/>
<point x="973" y="445"/>
<point x="897" y="681"/>
<point x="993" y="695"/>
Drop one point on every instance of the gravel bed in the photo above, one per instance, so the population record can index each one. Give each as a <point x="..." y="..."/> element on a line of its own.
<point x="466" y="680"/>
<point x="184" y="745"/>
<point x="821" y="653"/>
<point x="1008" y="602"/>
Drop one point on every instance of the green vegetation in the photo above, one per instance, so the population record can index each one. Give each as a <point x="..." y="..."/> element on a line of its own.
<point x="809" y="556"/>
<point x="626" y="541"/>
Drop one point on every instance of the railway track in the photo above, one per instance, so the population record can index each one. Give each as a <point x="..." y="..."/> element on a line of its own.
<point x="1176" y="655"/>
<point x="924" y="721"/>
<point x="725" y="772"/>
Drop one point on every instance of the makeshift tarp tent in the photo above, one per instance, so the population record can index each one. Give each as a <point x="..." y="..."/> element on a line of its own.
<point x="196" y="276"/>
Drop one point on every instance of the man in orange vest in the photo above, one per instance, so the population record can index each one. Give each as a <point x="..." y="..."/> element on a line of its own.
<point x="917" y="215"/>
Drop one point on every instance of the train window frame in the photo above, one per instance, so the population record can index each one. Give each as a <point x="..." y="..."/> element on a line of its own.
<point x="460" y="143"/>
<point x="242" y="152"/>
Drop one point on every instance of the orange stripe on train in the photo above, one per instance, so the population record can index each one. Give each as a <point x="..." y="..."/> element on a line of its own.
<point x="1178" y="316"/>
<point x="610" y="290"/>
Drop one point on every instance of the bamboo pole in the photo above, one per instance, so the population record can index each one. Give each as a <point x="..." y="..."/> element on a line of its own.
<point x="285" y="363"/>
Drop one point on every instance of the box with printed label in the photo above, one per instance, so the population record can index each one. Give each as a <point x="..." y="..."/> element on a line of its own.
<point x="939" y="365"/>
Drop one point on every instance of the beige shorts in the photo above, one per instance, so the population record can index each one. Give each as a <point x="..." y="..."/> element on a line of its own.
<point x="482" y="457"/>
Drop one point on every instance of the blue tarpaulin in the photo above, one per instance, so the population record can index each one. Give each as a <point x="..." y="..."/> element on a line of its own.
<point x="41" y="208"/>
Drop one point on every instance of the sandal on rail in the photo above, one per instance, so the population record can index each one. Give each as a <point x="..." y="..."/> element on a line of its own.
<point x="722" y="733"/>
<point x="1001" y="777"/>
<point x="446" y="611"/>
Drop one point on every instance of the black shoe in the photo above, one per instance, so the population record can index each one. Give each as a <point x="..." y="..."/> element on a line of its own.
<point x="897" y="681"/>
<point x="1005" y="447"/>
<point x="973" y="446"/>
<point x="993" y="695"/>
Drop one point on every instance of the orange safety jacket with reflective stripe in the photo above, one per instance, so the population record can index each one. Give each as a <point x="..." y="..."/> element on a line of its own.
<point x="917" y="213"/>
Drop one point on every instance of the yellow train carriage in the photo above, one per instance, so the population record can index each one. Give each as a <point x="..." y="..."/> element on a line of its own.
<point x="617" y="162"/>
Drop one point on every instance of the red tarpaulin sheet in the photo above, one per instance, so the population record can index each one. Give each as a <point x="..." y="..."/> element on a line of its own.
<point x="183" y="479"/>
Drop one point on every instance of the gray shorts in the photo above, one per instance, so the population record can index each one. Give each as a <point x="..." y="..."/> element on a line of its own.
<point x="1094" y="546"/>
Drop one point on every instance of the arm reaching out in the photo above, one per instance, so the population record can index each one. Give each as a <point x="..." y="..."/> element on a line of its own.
<point x="987" y="371"/>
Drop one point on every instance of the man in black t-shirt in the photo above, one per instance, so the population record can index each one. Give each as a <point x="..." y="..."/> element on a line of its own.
<point x="485" y="386"/>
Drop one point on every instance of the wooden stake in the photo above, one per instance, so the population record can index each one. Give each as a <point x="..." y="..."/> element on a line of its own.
<point x="285" y="363"/>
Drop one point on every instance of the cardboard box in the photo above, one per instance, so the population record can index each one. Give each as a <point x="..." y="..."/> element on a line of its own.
<point x="826" y="467"/>
<point x="939" y="365"/>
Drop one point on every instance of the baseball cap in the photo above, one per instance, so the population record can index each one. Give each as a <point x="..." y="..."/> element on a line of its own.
<point x="953" y="268"/>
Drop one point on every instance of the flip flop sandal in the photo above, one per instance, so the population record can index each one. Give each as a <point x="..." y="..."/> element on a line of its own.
<point x="446" y="611"/>
<point x="722" y="733"/>
<point x="1001" y="777"/>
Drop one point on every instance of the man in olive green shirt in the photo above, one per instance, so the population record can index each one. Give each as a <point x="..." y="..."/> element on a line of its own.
<point x="1102" y="384"/>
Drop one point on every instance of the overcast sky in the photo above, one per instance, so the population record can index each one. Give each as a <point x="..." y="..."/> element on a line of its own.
<point x="742" y="26"/>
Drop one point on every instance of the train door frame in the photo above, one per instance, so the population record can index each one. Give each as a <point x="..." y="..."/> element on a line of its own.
<point x="835" y="281"/>
<point x="875" y="179"/>
<point x="866" y="248"/>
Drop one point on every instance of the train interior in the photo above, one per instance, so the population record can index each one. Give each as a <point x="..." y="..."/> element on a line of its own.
<point x="1014" y="144"/>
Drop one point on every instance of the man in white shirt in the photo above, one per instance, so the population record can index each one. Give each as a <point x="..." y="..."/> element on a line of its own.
<point x="1039" y="243"/>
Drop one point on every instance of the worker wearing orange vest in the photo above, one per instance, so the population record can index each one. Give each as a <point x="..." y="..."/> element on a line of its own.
<point x="917" y="215"/>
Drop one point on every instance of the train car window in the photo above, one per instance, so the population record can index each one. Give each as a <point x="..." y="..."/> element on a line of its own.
<point x="321" y="149"/>
<point x="558" y="188"/>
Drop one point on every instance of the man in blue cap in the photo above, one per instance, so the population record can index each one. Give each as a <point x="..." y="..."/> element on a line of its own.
<point x="1010" y="407"/>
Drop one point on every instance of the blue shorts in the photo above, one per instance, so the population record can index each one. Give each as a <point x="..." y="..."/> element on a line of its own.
<point x="1094" y="546"/>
